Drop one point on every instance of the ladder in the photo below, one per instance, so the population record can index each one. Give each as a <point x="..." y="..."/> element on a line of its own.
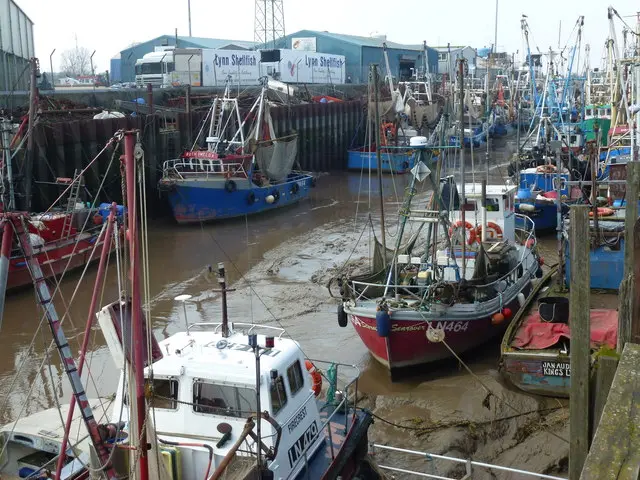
<point x="66" y="355"/>
<point x="74" y="194"/>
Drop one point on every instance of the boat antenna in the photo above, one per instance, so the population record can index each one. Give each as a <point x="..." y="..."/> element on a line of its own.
<point x="223" y="289"/>
<point x="376" y="86"/>
<point x="183" y="298"/>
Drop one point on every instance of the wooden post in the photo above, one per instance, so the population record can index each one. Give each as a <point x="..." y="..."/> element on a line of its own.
<point x="579" y="320"/>
<point x="605" y="371"/>
<point x="628" y="289"/>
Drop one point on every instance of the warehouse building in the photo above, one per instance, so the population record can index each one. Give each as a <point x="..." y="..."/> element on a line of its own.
<point x="448" y="55"/>
<point x="128" y="56"/>
<point x="361" y="52"/>
<point x="16" y="46"/>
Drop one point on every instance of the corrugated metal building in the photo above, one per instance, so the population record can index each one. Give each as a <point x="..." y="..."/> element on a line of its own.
<point x="16" y="46"/>
<point x="447" y="57"/>
<point x="360" y="52"/>
<point x="129" y="55"/>
<point x="115" y="75"/>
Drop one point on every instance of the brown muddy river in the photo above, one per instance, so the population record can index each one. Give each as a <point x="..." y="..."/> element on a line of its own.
<point x="179" y="259"/>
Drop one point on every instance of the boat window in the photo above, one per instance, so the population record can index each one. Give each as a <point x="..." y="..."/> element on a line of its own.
<point x="573" y="139"/>
<point x="278" y="395"/>
<point x="224" y="400"/>
<point x="294" y="375"/>
<point x="469" y="207"/>
<point x="162" y="393"/>
<point x="493" y="205"/>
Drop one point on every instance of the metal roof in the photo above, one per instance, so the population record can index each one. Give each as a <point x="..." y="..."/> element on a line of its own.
<point x="361" y="41"/>
<point x="214" y="43"/>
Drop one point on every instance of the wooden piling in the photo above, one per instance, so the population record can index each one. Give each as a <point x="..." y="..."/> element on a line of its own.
<point x="628" y="291"/>
<point x="579" y="320"/>
<point x="605" y="371"/>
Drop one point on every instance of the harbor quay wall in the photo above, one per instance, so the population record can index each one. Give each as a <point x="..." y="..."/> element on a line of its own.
<point x="325" y="132"/>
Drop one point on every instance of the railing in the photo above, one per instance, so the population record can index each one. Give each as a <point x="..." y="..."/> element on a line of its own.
<point x="203" y="167"/>
<point x="217" y="326"/>
<point x="343" y="405"/>
<point x="360" y="288"/>
<point x="529" y="232"/>
<point x="469" y="464"/>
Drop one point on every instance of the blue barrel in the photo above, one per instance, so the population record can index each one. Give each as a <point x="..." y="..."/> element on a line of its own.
<point x="383" y="323"/>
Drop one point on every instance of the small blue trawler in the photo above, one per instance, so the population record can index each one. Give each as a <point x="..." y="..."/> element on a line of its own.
<point x="245" y="168"/>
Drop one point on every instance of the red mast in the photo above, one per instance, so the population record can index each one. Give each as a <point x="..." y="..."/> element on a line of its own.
<point x="136" y="300"/>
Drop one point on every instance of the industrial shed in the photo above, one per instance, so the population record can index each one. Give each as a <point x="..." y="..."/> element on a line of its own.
<point x="16" y="46"/>
<point x="129" y="55"/>
<point x="360" y="52"/>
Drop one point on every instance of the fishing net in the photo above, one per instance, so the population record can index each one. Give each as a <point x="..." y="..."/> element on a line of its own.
<point x="276" y="159"/>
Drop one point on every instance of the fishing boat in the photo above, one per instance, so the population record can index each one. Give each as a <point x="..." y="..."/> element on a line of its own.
<point x="535" y="354"/>
<point x="216" y="400"/>
<point x="65" y="236"/>
<point x="420" y="308"/>
<point x="245" y="169"/>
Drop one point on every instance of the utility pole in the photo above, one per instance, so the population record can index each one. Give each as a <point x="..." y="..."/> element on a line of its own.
<point x="189" y="12"/>
<point x="269" y="21"/>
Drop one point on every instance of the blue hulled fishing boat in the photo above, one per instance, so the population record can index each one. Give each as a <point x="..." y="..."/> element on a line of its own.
<point x="244" y="169"/>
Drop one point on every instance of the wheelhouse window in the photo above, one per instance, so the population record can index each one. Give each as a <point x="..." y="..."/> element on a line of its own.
<point x="162" y="393"/>
<point x="278" y="395"/>
<point x="294" y="375"/>
<point x="227" y="400"/>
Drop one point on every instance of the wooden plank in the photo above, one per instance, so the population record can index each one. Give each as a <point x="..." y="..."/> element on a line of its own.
<point x="579" y="319"/>
<point x="615" y="451"/>
<point x="635" y="290"/>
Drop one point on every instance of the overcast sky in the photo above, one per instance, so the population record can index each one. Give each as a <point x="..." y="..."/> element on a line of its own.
<point x="111" y="26"/>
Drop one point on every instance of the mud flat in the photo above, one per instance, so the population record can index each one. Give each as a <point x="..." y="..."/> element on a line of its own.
<point x="450" y="412"/>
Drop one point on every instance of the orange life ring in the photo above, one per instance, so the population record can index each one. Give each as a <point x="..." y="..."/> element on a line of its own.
<point x="315" y="376"/>
<point x="468" y="227"/>
<point x="548" y="168"/>
<point x="602" y="212"/>
<point x="491" y="226"/>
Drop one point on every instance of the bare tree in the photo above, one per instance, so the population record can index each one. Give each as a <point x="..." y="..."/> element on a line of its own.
<point x="76" y="61"/>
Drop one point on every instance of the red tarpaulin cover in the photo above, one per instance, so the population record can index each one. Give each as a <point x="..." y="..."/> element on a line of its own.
<point x="535" y="334"/>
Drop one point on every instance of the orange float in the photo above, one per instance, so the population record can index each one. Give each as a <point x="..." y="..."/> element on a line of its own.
<point x="315" y="377"/>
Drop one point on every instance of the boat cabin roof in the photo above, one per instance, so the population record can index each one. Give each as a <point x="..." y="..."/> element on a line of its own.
<point x="474" y="190"/>
<point x="209" y="355"/>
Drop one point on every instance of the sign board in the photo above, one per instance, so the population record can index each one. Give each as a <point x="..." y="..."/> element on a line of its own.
<point x="298" y="66"/>
<point x="242" y="65"/>
<point x="307" y="44"/>
<point x="556" y="369"/>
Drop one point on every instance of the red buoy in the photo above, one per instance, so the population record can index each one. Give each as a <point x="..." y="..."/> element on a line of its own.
<point x="507" y="312"/>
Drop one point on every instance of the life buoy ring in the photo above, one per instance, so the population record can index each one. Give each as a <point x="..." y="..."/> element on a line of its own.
<point x="548" y="168"/>
<point x="468" y="227"/>
<point x="295" y="188"/>
<point x="315" y="377"/>
<point x="493" y="231"/>
<point x="602" y="212"/>
<point x="251" y="198"/>
<point x="230" y="186"/>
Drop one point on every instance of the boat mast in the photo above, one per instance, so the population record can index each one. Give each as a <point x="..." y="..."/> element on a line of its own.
<point x="462" y="193"/>
<point x="376" y="86"/>
<point x="139" y="341"/>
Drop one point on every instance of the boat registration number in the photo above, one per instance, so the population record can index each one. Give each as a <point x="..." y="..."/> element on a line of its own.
<point x="556" y="369"/>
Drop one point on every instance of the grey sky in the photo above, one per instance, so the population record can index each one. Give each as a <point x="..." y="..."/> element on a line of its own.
<point x="110" y="26"/>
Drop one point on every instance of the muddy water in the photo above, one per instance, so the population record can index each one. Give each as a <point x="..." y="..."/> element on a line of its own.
<point x="279" y="264"/>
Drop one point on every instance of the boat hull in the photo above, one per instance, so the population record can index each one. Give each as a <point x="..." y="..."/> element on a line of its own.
<point x="542" y="372"/>
<point x="407" y="344"/>
<point x="392" y="162"/>
<point x="63" y="256"/>
<point x="196" y="200"/>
